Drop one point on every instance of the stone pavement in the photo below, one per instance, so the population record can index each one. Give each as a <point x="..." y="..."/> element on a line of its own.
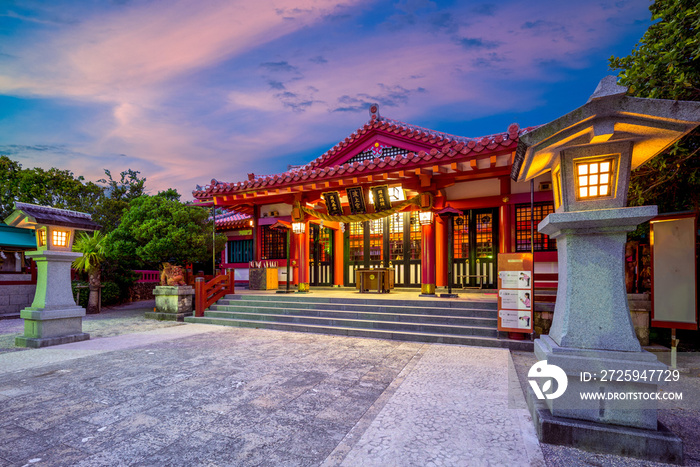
<point x="205" y="395"/>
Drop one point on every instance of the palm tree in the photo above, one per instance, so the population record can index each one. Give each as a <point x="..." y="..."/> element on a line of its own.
<point x="92" y="248"/>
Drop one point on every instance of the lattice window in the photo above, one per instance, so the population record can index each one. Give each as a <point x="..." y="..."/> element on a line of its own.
<point x="484" y="235"/>
<point x="325" y="242"/>
<point x="371" y="155"/>
<point x="240" y="251"/>
<point x="376" y="239"/>
<point x="274" y="243"/>
<point x="396" y="236"/>
<point x="414" y="236"/>
<point x="356" y="245"/>
<point x="522" y="227"/>
<point x="461" y="237"/>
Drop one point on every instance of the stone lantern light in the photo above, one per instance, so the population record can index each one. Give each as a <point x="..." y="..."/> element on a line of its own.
<point x="53" y="317"/>
<point x="590" y="153"/>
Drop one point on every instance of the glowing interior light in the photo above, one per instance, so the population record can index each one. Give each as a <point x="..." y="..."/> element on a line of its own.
<point x="60" y="238"/>
<point x="594" y="178"/>
<point x="42" y="237"/>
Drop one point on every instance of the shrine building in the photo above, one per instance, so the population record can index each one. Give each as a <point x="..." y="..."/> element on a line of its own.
<point x="382" y="199"/>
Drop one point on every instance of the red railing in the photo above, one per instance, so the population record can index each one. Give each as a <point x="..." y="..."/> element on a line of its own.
<point x="206" y="293"/>
<point x="148" y="276"/>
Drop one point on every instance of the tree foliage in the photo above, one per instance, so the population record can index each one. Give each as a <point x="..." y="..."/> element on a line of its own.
<point x="53" y="187"/>
<point x="157" y="229"/>
<point x="93" y="249"/>
<point x="117" y="195"/>
<point x="665" y="64"/>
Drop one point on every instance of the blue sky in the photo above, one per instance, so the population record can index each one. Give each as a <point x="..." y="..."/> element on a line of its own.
<point x="189" y="90"/>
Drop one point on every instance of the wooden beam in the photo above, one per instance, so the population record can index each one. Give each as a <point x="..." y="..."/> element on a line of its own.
<point x="441" y="169"/>
<point x="379" y="177"/>
<point x="493" y="161"/>
<point x="472" y="164"/>
<point x="425" y="180"/>
<point x="460" y="166"/>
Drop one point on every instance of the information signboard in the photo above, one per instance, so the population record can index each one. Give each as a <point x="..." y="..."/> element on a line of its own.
<point x="516" y="299"/>
<point x="673" y="274"/>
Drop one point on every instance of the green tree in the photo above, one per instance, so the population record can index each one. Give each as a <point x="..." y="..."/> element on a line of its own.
<point x="93" y="249"/>
<point x="53" y="187"/>
<point x="665" y="64"/>
<point x="157" y="229"/>
<point x="118" y="194"/>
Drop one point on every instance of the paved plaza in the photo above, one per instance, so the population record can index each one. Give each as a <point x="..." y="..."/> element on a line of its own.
<point x="194" y="394"/>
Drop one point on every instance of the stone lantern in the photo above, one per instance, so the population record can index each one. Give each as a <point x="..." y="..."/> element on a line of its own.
<point x="590" y="153"/>
<point x="53" y="317"/>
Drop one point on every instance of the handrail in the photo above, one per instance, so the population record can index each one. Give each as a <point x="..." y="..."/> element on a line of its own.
<point x="207" y="293"/>
<point x="147" y="276"/>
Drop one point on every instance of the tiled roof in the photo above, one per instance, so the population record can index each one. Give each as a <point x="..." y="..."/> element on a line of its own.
<point x="445" y="148"/>
<point x="232" y="219"/>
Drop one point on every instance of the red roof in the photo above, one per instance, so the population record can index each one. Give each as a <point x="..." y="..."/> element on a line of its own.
<point x="440" y="148"/>
<point x="232" y="220"/>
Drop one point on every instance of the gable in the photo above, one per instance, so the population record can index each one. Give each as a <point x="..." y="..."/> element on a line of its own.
<point x="376" y="141"/>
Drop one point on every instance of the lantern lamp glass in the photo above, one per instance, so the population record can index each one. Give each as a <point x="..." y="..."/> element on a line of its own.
<point x="60" y="238"/>
<point x="42" y="237"/>
<point x="594" y="178"/>
<point x="425" y="217"/>
<point x="298" y="227"/>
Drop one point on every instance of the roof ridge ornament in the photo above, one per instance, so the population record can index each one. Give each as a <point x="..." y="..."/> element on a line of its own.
<point x="374" y="111"/>
<point x="608" y="87"/>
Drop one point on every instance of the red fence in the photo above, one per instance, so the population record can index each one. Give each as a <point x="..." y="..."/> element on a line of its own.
<point x="148" y="276"/>
<point x="207" y="293"/>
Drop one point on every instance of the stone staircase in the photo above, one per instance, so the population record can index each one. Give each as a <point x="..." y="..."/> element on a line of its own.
<point x="423" y="320"/>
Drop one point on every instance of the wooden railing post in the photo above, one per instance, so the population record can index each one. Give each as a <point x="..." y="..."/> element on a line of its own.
<point x="199" y="297"/>
<point x="231" y="281"/>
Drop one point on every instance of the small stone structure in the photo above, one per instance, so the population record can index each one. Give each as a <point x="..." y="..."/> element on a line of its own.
<point x="173" y="303"/>
<point x="53" y="317"/>
<point x="590" y="152"/>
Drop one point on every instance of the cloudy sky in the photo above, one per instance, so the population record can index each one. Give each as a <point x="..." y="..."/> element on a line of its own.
<point x="189" y="90"/>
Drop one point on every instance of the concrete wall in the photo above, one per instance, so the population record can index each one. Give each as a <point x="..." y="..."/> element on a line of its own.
<point x="14" y="298"/>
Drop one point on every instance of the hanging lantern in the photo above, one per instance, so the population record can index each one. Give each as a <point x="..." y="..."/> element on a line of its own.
<point x="425" y="217"/>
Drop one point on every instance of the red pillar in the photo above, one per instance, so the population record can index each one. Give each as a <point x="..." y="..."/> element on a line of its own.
<point x="338" y="255"/>
<point x="303" y="245"/>
<point x="427" y="259"/>
<point x="440" y="251"/>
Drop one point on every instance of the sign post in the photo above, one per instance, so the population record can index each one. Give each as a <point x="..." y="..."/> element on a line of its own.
<point x="516" y="299"/>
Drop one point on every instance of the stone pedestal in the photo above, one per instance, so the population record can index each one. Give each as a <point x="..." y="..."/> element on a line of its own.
<point x="53" y="317"/>
<point x="173" y="303"/>
<point x="592" y="333"/>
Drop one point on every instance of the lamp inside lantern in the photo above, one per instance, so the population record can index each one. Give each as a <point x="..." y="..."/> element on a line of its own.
<point x="425" y="217"/>
<point x="298" y="227"/>
<point x="60" y="238"/>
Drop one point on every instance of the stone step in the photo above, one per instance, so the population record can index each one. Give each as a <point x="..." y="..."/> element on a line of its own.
<point x="378" y="306"/>
<point x="487" y="329"/>
<point x="374" y="333"/>
<point x="489" y="318"/>
<point x="417" y="303"/>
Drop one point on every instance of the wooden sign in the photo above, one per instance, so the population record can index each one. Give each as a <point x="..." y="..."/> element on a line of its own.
<point x="516" y="299"/>
<point x="332" y="200"/>
<point x="382" y="201"/>
<point x="356" y="198"/>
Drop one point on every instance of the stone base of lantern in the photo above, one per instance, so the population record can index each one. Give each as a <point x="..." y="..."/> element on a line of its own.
<point x="623" y="427"/>
<point x="43" y="328"/>
<point x="659" y="445"/>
